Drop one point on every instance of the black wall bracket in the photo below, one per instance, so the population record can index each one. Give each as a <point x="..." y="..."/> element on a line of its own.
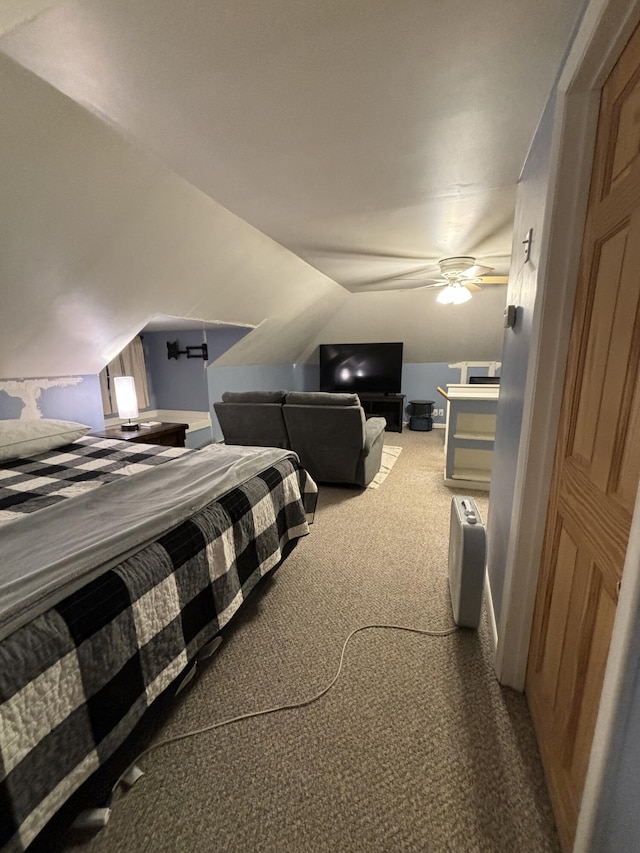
<point x="174" y="351"/>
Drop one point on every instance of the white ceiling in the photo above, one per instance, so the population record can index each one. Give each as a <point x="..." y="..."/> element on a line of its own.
<point x="369" y="137"/>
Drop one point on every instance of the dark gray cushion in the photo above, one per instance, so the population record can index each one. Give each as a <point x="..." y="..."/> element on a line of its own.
<point x="259" y="424"/>
<point x="328" y="439"/>
<point x="321" y="398"/>
<point x="373" y="429"/>
<point x="254" y="396"/>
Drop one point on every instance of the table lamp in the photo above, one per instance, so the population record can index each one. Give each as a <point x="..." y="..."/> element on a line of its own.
<point x="126" y="400"/>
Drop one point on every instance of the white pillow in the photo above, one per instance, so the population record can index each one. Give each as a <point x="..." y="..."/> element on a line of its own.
<point x="30" y="437"/>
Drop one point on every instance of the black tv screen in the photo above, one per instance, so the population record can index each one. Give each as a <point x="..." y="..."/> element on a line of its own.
<point x="375" y="368"/>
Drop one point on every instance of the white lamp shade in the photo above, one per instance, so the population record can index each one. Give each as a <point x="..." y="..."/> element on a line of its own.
<point x="453" y="295"/>
<point x="126" y="396"/>
<point x="444" y="297"/>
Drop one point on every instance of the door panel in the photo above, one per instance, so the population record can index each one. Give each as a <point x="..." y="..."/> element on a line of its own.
<point x="628" y="472"/>
<point x="555" y="629"/>
<point x="592" y="416"/>
<point x="603" y="626"/>
<point x="597" y="460"/>
<point x="627" y="143"/>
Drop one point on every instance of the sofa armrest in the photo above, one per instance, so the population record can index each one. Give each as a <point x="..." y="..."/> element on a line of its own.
<point x="373" y="429"/>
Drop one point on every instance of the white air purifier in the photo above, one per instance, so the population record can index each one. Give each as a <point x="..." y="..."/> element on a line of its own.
<point x="466" y="562"/>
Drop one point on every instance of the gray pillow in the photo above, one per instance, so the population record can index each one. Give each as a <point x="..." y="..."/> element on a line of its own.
<point x="254" y="396"/>
<point x="321" y="398"/>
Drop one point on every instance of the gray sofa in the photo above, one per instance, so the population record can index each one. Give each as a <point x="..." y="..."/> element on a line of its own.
<point x="329" y="432"/>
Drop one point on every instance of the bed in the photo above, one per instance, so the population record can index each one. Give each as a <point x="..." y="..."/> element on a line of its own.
<point x="119" y="562"/>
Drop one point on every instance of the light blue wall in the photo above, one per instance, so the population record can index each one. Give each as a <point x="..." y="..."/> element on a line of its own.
<point x="175" y="383"/>
<point x="420" y="382"/>
<point x="182" y="383"/>
<point x="68" y="398"/>
<point x="10" y="406"/>
<point x="306" y="377"/>
<point x="222" y="339"/>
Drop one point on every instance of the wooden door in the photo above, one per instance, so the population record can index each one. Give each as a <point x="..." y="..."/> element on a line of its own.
<point x="597" y="459"/>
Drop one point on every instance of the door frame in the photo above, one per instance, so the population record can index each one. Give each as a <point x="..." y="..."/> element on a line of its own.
<point x="601" y="35"/>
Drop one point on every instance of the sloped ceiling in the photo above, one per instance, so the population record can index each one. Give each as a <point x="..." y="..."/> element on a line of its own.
<point x="97" y="237"/>
<point x="367" y="137"/>
<point x="162" y="154"/>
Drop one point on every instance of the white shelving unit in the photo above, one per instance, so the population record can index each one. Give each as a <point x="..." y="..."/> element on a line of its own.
<point x="470" y="434"/>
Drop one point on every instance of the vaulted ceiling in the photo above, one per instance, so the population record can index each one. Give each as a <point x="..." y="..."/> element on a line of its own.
<point x="368" y="137"/>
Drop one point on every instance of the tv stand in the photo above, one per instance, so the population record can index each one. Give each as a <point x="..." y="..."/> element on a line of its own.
<point x="387" y="406"/>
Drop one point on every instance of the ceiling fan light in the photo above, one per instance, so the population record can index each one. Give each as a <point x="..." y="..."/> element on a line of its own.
<point x="460" y="295"/>
<point x="445" y="297"/>
<point x="453" y="295"/>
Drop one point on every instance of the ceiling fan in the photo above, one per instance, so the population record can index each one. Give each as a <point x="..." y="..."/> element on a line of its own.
<point x="460" y="277"/>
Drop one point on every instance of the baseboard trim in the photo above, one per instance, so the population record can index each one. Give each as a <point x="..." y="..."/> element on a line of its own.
<point x="488" y="598"/>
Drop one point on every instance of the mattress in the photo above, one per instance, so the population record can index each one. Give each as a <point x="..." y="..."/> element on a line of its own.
<point x="126" y="605"/>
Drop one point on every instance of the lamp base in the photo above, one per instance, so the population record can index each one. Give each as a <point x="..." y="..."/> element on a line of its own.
<point x="129" y="427"/>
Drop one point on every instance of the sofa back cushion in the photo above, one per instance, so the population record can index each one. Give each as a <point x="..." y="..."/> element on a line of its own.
<point x="328" y="439"/>
<point x="254" y="396"/>
<point x="260" y="424"/>
<point x="321" y="398"/>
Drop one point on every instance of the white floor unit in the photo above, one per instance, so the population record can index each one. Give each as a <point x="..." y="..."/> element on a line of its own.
<point x="471" y="428"/>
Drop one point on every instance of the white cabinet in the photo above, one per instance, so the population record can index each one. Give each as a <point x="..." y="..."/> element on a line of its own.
<point x="470" y="434"/>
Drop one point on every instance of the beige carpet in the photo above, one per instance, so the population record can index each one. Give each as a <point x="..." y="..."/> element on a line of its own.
<point x="389" y="456"/>
<point x="416" y="747"/>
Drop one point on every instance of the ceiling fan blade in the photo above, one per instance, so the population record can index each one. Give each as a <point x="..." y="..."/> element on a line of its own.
<point x="476" y="270"/>
<point x="421" y="287"/>
<point x="422" y="272"/>
<point x="495" y="279"/>
<point x="471" y="286"/>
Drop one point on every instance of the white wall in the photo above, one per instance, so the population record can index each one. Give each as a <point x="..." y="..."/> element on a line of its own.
<point x="523" y="292"/>
<point x="430" y="332"/>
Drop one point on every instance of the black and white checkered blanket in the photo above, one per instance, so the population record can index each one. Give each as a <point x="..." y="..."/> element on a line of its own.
<point x="76" y="679"/>
<point x="30" y="484"/>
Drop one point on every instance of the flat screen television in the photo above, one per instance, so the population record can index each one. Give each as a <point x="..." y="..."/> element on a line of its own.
<point x="374" y="368"/>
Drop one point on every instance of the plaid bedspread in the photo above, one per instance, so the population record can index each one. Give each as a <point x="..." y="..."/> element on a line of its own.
<point x="27" y="485"/>
<point x="76" y="680"/>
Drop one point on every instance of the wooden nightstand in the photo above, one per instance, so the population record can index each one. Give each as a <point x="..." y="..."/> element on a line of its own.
<point x="167" y="434"/>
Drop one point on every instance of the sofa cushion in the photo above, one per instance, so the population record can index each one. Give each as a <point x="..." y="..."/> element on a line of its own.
<point x="373" y="429"/>
<point x="254" y="396"/>
<point x="321" y="398"/>
<point x="260" y="424"/>
<point x="328" y="439"/>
